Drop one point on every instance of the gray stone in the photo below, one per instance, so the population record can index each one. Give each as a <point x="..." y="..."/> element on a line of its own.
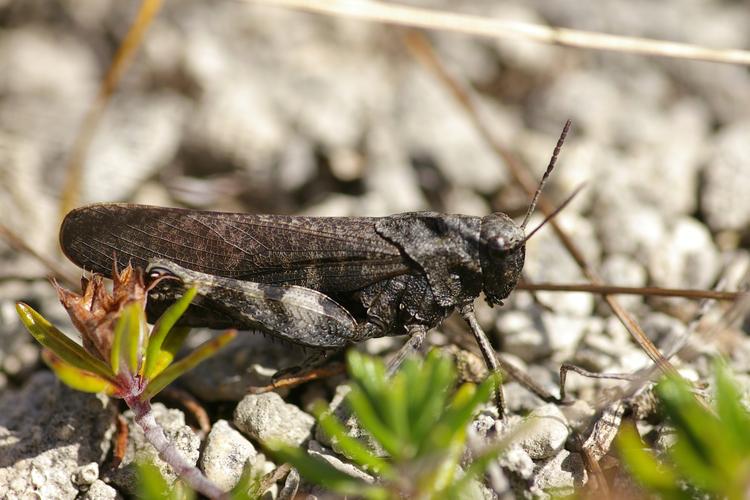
<point x="578" y="414"/>
<point x="570" y="97"/>
<point x="137" y="136"/>
<point x="627" y="226"/>
<point x="86" y="475"/>
<point x="99" y="490"/>
<point x="21" y="168"/>
<point x="47" y="433"/>
<point x="547" y="260"/>
<point x="486" y="429"/>
<point x="724" y="199"/>
<point x="686" y="258"/>
<point x="518" y="461"/>
<point x="225" y="455"/>
<point x="266" y="416"/>
<point x="623" y="270"/>
<point x="559" y="475"/>
<point x="236" y="123"/>
<point x="544" y="432"/>
<point x="530" y="336"/>
<point x="178" y="434"/>
<point x="461" y="154"/>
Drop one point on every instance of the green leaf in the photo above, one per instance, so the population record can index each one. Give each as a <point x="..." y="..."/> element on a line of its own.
<point x="369" y="376"/>
<point x="643" y="465"/>
<point x="733" y="415"/>
<point x="76" y="378"/>
<point x="129" y="338"/>
<point x="157" y="352"/>
<point x="451" y="429"/>
<point x="53" y="339"/>
<point x="701" y="449"/>
<point x="202" y="352"/>
<point x="368" y="417"/>
<point x="116" y="352"/>
<point x="430" y="394"/>
<point x="152" y="485"/>
<point x="322" y="473"/>
<point x="249" y="486"/>
<point x="169" y="349"/>
<point x="351" y="447"/>
<point x="393" y="403"/>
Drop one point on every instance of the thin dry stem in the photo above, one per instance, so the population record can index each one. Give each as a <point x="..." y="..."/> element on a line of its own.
<point x="512" y="30"/>
<point x="632" y="290"/>
<point x="192" y="476"/>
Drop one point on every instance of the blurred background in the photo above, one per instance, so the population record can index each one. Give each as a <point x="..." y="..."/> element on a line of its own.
<point x="243" y="107"/>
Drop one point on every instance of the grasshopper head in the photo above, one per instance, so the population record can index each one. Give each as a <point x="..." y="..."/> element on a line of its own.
<point x="501" y="255"/>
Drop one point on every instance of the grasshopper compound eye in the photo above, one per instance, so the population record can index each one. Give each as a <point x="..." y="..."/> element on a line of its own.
<point x="156" y="274"/>
<point x="501" y="255"/>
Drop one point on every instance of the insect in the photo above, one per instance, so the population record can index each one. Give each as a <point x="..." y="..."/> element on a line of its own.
<point x="320" y="282"/>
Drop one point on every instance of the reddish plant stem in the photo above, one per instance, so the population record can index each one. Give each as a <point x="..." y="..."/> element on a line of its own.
<point x="192" y="476"/>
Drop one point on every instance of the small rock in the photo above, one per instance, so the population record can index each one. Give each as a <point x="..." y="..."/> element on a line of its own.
<point x="427" y="112"/>
<point x="547" y="260"/>
<point x="37" y="457"/>
<point x="137" y="136"/>
<point x="86" y="475"/>
<point x="687" y="258"/>
<point x="724" y="198"/>
<point x="267" y="416"/>
<point x="623" y="270"/>
<point x="626" y="225"/>
<point x="560" y="475"/>
<point x="99" y="490"/>
<point x="578" y="414"/>
<point x="544" y="432"/>
<point x="528" y="338"/>
<point x="570" y="97"/>
<point x="515" y="459"/>
<point x="225" y="454"/>
<point x="390" y="175"/>
<point x="531" y="57"/>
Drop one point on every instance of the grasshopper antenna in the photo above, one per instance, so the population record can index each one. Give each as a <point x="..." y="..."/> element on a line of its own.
<point x="547" y="172"/>
<point x="556" y="211"/>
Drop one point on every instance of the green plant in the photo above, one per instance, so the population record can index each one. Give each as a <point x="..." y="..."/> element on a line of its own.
<point x="120" y="356"/>
<point x="711" y="453"/>
<point x="419" y="421"/>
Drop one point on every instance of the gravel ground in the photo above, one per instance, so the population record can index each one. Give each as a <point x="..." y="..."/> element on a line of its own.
<point x="232" y="106"/>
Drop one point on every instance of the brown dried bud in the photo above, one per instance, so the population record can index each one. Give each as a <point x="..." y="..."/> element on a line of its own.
<point x="95" y="312"/>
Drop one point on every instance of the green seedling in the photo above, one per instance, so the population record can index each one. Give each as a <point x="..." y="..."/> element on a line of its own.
<point x="418" y="417"/>
<point x="120" y="356"/>
<point x="711" y="453"/>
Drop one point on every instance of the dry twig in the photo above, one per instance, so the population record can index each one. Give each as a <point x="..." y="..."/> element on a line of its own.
<point x="513" y="30"/>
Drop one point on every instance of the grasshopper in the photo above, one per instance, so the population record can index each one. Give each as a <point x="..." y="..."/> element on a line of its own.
<point x="321" y="282"/>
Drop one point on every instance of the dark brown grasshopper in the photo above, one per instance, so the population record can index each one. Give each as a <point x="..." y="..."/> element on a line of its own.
<point x="320" y="282"/>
